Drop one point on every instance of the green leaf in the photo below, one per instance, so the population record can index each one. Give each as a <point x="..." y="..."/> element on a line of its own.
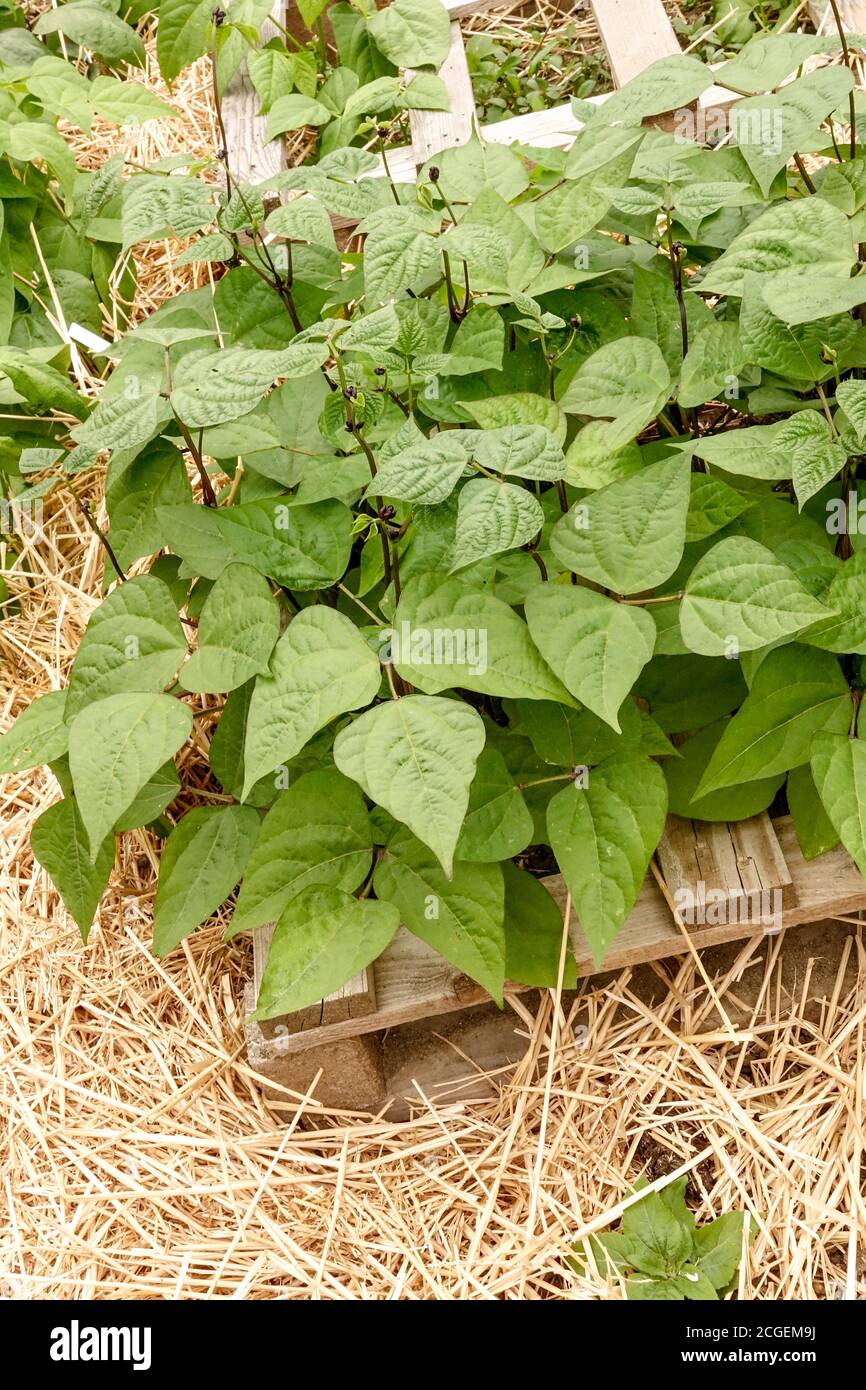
<point x="790" y="350"/>
<point x="184" y="33"/>
<point x="498" y="824"/>
<point x="464" y="169"/>
<point x="39" y="383"/>
<point x="461" y="915"/>
<point x="157" y="478"/>
<point x="655" y="314"/>
<point x="39" y="735"/>
<point x="272" y="73"/>
<point x="133" y="642"/>
<point x="493" y="517"/>
<point x="317" y="832"/>
<point x="323" y="938"/>
<point x="426" y="92"/>
<point x="815" y="831"/>
<point x="477" y="346"/>
<point x="237" y="631"/>
<point x="122" y="423"/>
<point x="801" y="233"/>
<point x="520" y="408"/>
<point x="839" y="769"/>
<point x="571" y="739"/>
<point x="373" y="333"/>
<point x="596" y="646"/>
<point x="719" y="1247"/>
<point x="628" y="536"/>
<point x="115" y="747"/>
<point x="799" y="297"/>
<point x="523" y="451"/>
<point x="712" y="363"/>
<point x="416" y="757"/>
<point x="604" y="836"/>
<point x="626" y="380"/>
<point x="796" y="692"/>
<point x="684" y="775"/>
<point x="427" y="471"/>
<point x="321" y="667"/>
<point x="157" y="793"/>
<point x="740" y="597"/>
<point x="851" y="395"/>
<point x="447" y="634"/>
<point x="398" y="251"/>
<point x="155" y="207"/>
<point x="658" y="1241"/>
<point x="525" y="257"/>
<point x="712" y="504"/>
<point x="765" y="60"/>
<point x="412" y="33"/>
<point x="127" y="103"/>
<point x="94" y="27"/>
<point x="203" y="858"/>
<point x="59" y="844"/>
<point x="310" y="10"/>
<point x="666" y="85"/>
<point x="217" y="386"/>
<point x="569" y="211"/>
<point x="293" y="112"/>
<point x="301" y="547"/>
<point x="758" y="451"/>
<point x="846" y="631"/>
<point x="382" y="94"/>
<point x="533" y="933"/>
<point x="686" y="692"/>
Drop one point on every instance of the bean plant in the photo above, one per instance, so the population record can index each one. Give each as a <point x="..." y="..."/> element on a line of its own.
<point x="493" y="531"/>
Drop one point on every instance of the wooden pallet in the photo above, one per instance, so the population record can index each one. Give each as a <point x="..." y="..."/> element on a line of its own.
<point x="365" y="1045"/>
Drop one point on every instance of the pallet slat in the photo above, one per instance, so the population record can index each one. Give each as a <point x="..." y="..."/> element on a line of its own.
<point x="433" y="131"/>
<point x="635" y="34"/>
<point x="412" y="981"/>
<point x="252" y="157"/>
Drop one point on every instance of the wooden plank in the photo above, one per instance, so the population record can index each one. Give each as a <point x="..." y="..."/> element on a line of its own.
<point x="759" y="855"/>
<point x="635" y="34"/>
<point x="413" y="982"/>
<point x="462" y="9"/>
<point x="741" y="861"/>
<point x="355" y="999"/>
<point x="346" y="1074"/>
<point x="433" y="131"/>
<point x="251" y="157"/>
<point x="851" y="12"/>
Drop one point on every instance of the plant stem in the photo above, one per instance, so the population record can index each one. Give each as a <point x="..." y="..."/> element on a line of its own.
<point x="660" y="598"/>
<point x="852" y="109"/>
<point x="84" y="508"/>
<point x="538" y="560"/>
<point x="391" y="569"/>
<point x="388" y="175"/>
<point x="542" y="781"/>
<point x="206" y="485"/>
<point x="223" y="152"/>
<point x="804" y="173"/>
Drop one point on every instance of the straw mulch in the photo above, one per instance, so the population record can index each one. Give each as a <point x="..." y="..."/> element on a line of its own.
<point x="139" y="1159"/>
